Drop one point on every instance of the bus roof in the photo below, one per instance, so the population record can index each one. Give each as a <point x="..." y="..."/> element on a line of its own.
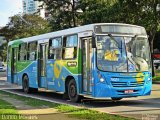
<point x="74" y="30"/>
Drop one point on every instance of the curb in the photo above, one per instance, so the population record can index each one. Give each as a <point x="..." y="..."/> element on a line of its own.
<point x="3" y="78"/>
<point x="39" y="111"/>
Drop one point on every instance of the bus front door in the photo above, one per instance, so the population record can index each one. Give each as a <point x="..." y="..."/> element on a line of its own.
<point x="14" y="65"/>
<point x="42" y="81"/>
<point x="86" y="46"/>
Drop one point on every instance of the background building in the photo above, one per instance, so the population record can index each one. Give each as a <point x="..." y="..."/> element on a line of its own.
<point x="34" y="7"/>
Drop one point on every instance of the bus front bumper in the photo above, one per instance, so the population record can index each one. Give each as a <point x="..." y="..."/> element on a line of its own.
<point x="103" y="90"/>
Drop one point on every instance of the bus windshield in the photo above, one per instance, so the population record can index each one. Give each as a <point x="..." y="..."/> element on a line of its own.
<point x="122" y="54"/>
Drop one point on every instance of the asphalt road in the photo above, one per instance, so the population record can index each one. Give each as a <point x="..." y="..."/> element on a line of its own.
<point x="144" y="108"/>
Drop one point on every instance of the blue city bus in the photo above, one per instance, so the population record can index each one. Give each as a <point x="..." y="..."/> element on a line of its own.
<point x="99" y="61"/>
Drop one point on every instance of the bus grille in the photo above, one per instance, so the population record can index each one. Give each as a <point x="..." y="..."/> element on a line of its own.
<point x="127" y="84"/>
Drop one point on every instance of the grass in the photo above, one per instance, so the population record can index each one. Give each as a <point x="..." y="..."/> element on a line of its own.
<point x="157" y="75"/>
<point x="156" y="78"/>
<point x="30" y="101"/>
<point x="88" y="114"/>
<point x="5" y="105"/>
<point x="75" y="112"/>
<point x="8" y="111"/>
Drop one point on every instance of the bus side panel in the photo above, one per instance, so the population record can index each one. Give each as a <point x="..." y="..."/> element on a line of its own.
<point x="29" y="68"/>
<point x="55" y="75"/>
<point x="33" y="75"/>
<point x="57" y="72"/>
<point x="50" y="75"/>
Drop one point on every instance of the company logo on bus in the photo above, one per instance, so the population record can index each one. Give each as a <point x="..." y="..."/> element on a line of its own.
<point x="72" y="64"/>
<point x="128" y="83"/>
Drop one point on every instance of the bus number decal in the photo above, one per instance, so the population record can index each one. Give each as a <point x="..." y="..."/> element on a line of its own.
<point x="114" y="79"/>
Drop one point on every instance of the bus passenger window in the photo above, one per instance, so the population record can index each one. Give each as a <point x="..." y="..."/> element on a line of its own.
<point x="70" y="47"/>
<point x="32" y="51"/>
<point x="71" y="41"/>
<point x="51" y="53"/>
<point x="69" y="53"/>
<point x="22" y="52"/>
<point x="55" y="48"/>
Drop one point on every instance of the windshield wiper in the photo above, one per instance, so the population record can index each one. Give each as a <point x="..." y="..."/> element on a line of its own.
<point x="134" y="37"/>
<point x="112" y="38"/>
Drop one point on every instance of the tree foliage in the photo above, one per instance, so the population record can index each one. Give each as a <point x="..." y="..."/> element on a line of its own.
<point x="25" y="26"/>
<point x="142" y="12"/>
<point x="21" y="27"/>
<point x="63" y="13"/>
<point x="96" y="11"/>
<point x="3" y="52"/>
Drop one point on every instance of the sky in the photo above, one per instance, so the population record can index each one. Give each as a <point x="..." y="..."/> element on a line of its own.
<point x="9" y="8"/>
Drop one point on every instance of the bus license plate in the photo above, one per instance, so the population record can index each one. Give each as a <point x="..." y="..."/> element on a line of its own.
<point x="128" y="91"/>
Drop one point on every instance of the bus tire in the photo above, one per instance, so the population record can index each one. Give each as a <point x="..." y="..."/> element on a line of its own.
<point x="116" y="99"/>
<point x="25" y="85"/>
<point x="72" y="91"/>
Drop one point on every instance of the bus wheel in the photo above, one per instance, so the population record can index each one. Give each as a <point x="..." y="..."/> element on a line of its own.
<point x="72" y="91"/>
<point x="116" y="99"/>
<point x="25" y="85"/>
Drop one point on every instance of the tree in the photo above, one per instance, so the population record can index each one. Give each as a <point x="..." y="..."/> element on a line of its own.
<point x="96" y="11"/>
<point x="3" y="52"/>
<point x="23" y="26"/>
<point x="63" y="13"/>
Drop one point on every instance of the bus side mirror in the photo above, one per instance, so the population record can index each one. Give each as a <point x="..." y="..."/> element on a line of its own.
<point x="93" y="42"/>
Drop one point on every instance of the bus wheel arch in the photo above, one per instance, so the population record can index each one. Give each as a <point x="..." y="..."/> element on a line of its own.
<point x="71" y="89"/>
<point x="25" y="83"/>
<point x="25" y="74"/>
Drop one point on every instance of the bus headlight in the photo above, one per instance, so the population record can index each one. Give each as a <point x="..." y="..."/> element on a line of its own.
<point x="101" y="80"/>
<point x="149" y="79"/>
